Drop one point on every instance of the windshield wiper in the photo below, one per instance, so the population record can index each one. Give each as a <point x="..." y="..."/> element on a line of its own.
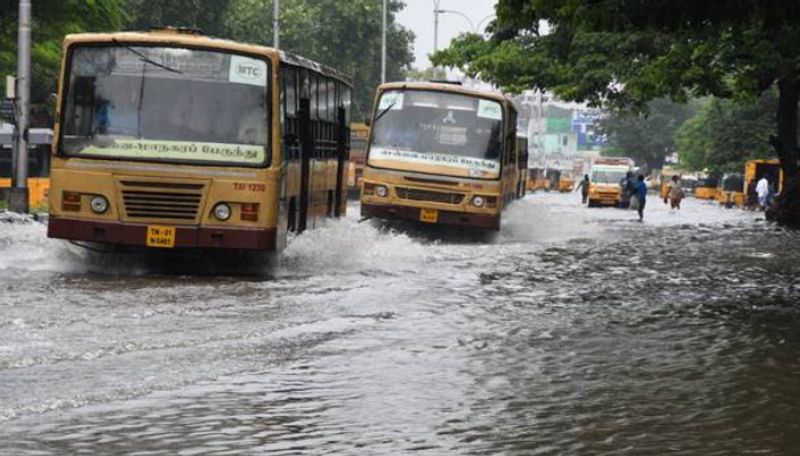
<point x="382" y="113"/>
<point x="147" y="59"/>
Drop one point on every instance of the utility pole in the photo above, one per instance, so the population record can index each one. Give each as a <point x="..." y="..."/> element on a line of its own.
<point x="276" y="23"/>
<point x="383" y="45"/>
<point x="18" y="194"/>
<point x="435" y="30"/>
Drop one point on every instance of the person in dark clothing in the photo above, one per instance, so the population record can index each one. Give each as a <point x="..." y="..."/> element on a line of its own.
<point x="641" y="195"/>
<point x="584" y="188"/>
<point x="627" y="187"/>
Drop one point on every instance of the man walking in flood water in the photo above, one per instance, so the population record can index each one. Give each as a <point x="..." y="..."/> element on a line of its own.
<point x="762" y="190"/>
<point x="583" y="186"/>
<point x="640" y="190"/>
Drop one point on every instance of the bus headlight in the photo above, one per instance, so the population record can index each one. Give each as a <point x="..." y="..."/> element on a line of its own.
<point x="222" y="212"/>
<point x="478" y="201"/>
<point x="99" y="204"/>
<point x="381" y="191"/>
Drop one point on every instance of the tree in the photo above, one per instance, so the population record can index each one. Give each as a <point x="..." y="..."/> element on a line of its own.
<point x="208" y="16"/>
<point x="723" y="134"/>
<point x="343" y="35"/>
<point x="622" y="54"/>
<point x="51" y="20"/>
<point x="646" y="138"/>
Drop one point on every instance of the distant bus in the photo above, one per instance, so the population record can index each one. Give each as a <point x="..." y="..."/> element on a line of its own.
<point x="441" y="154"/>
<point x="172" y="140"/>
<point x="359" y="135"/>
<point x="39" y="144"/>
<point x="605" y="176"/>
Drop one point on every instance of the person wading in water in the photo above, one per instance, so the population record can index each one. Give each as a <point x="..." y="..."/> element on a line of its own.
<point x="640" y="190"/>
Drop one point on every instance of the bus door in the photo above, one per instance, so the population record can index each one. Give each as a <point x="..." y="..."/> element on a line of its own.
<point x="306" y="144"/>
<point x="342" y="136"/>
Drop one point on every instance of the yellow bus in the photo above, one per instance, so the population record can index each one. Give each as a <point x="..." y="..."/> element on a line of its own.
<point x="706" y="188"/>
<point x="440" y="153"/>
<point x="39" y="149"/>
<point x="359" y="134"/>
<point x="754" y="170"/>
<point x="172" y="140"/>
<point x="605" y="176"/>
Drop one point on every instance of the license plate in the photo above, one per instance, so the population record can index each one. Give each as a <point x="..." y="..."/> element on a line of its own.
<point x="428" y="215"/>
<point x="161" y="236"/>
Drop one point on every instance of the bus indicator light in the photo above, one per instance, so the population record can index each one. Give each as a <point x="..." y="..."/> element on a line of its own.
<point x="249" y="212"/>
<point x="71" y="201"/>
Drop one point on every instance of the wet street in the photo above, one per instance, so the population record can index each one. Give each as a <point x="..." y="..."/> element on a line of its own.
<point x="572" y="331"/>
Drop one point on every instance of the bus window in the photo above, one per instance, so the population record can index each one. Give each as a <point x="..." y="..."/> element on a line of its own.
<point x="314" y="98"/>
<point x="346" y="101"/>
<point x="119" y="105"/>
<point x="289" y="74"/>
<point x="331" y="101"/>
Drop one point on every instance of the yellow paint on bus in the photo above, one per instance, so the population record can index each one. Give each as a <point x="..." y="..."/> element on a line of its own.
<point x="441" y="154"/>
<point x="170" y="139"/>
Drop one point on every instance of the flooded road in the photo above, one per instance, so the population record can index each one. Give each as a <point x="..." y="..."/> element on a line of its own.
<point x="572" y="331"/>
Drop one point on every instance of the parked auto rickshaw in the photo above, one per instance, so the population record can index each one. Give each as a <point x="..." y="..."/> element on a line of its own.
<point x="565" y="183"/>
<point x="754" y="170"/>
<point x="553" y="177"/>
<point x="731" y="190"/>
<point x="706" y="188"/>
<point x="537" y="180"/>
<point x="689" y="184"/>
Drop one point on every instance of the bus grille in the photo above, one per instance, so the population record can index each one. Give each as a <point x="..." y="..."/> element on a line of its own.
<point x="426" y="195"/>
<point x="157" y="200"/>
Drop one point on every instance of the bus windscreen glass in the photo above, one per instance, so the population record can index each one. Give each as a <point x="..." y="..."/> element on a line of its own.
<point x="166" y="104"/>
<point x="608" y="175"/>
<point x="437" y="132"/>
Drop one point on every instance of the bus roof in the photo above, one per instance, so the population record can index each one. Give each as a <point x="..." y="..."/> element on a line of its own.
<point x="172" y="36"/>
<point x="446" y="87"/>
<point x="616" y="161"/>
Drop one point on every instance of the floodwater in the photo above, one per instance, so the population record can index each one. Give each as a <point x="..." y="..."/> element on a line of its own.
<point x="572" y="331"/>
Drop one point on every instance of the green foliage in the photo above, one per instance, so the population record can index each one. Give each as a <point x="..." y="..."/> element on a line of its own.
<point x="52" y="19"/>
<point x="622" y="54"/>
<point x="427" y="74"/>
<point x="343" y="35"/>
<point x="209" y="16"/>
<point x="646" y="138"/>
<point x="723" y="134"/>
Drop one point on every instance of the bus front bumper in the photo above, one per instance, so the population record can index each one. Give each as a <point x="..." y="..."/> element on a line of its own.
<point x="444" y="217"/>
<point x="186" y="237"/>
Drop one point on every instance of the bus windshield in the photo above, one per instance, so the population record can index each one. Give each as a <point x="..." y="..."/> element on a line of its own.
<point x="438" y="132"/>
<point x="608" y="175"/>
<point x="166" y="104"/>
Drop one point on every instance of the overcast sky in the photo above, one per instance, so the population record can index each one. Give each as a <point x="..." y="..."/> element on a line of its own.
<point x="418" y="16"/>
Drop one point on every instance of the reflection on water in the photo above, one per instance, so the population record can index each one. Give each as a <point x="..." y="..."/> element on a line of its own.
<point x="572" y="331"/>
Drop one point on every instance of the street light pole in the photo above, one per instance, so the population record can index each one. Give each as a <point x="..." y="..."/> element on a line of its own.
<point x="472" y="26"/>
<point x="480" y="22"/>
<point x="383" y="45"/>
<point x="18" y="194"/>
<point x="276" y="23"/>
